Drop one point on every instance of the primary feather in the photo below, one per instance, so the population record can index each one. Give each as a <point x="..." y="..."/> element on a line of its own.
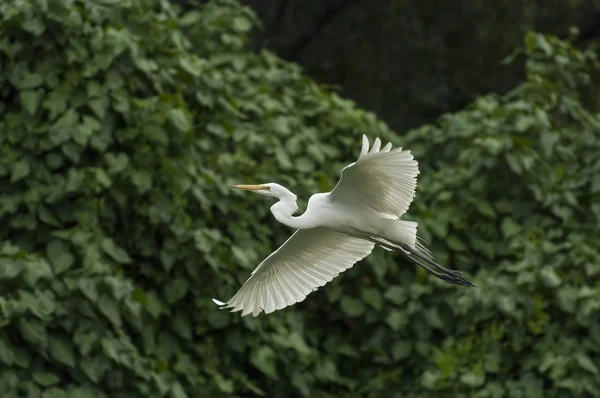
<point x="307" y="260"/>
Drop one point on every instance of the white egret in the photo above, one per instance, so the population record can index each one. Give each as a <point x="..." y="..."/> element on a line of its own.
<point x="338" y="229"/>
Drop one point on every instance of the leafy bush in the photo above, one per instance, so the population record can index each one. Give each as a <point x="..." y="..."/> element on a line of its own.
<point x="511" y="186"/>
<point x="124" y="123"/>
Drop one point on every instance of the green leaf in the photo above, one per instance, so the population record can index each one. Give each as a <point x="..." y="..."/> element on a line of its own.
<point x="351" y="306"/>
<point x="550" y="278"/>
<point x="224" y="385"/>
<point x="190" y="18"/>
<point x="10" y="269"/>
<point x="94" y="368"/>
<point x="586" y="363"/>
<point x="177" y="391"/>
<point x="242" y="24"/>
<point x="54" y="160"/>
<point x="429" y="379"/>
<point x="472" y="379"/>
<point x="142" y="180"/>
<point x="548" y="141"/>
<point x="485" y="208"/>
<point x="110" y="308"/>
<point x="139" y="296"/>
<point x="34" y="25"/>
<point x="396" y="320"/>
<point x="20" y="170"/>
<point x="31" y="99"/>
<point x="33" y="332"/>
<point x="395" y="294"/>
<point x="510" y="228"/>
<point x="115" y="252"/>
<point x="241" y="257"/>
<point x="89" y="288"/>
<point x="218" y="319"/>
<point x="506" y="304"/>
<point x="7" y="353"/>
<point x="99" y="106"/>
<point x="433" y="319"/>
<point x="401" y="349"/>
<point x="45" y="379"/>
<point x="153" y="304"/>
<point x="30" y="81"/>
<point x="59" y="256"/>
<point x="304" y="165"/>
<point x="455" y="244"/>
<point x="175" y="290"/>
<point x="543" y="44"/>
<point x="179" y="119"/>
<point x="62" y="352"/>
<point x="117" y="163"/>
<point x="263" y="358"/>
<point x="36" y="271"/>
<point x="372" y="297"/>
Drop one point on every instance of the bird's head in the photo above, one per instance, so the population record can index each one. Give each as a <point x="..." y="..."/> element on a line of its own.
<point x="268" y="189"/>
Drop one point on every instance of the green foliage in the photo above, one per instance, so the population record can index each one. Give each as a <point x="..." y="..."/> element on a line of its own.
<point x="123" y="124"/>
<point x="509" y="190"/>
<point x="411" y="61"/>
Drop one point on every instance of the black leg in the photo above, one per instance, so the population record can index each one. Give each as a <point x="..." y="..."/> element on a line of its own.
<point x="436" y="265"/>
<point x="448" y="275"/>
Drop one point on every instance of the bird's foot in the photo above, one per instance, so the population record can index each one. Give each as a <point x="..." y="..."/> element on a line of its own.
<point x="455" y="278"/>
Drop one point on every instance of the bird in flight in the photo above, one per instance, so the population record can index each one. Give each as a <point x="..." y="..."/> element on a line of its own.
<point x="338" y="229"/>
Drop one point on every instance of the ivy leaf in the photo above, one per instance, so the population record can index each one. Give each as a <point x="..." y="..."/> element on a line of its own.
<point x="372" y="297"/>
<point x="263" y="358"/>
<point x="241" y="24"/>
<point x="351" y="306"/>
<point x="31" y="80"/>
<point x="62" y="352"/>
<point x="45" y="379"/>
<point x="396" y="320"/>
<point x="179" y="119"/>
<point x="510" y="228"/>
<point x="586" y="363"/>
<point x="33" y="332"/>
<point x="395" y="294"/>
<point x="31" y="99"/>
<point x="176" y="290"/>
<point x="20" y="170"/>
<point x="59" y="255"/>
<point x="94" y="368"/>
<point x="110" y="308"/>
<point x="115" y="252"/>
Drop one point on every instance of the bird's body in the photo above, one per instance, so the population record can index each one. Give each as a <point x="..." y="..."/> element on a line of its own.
<point x="338" y="229"/>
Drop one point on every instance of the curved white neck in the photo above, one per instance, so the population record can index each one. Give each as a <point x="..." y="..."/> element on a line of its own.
<point x="283" y="212"/>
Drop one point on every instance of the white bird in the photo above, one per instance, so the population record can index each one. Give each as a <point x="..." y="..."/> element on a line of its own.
<point x="338" y="229"/>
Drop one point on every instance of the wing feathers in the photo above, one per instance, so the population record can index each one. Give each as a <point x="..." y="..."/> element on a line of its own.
<point x="365" y="146"/>
<point x="382" y="179"/>
<point x="305" y="262"/>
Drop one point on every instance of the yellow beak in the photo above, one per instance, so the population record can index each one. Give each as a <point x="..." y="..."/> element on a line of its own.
<point x="250" y="187"/>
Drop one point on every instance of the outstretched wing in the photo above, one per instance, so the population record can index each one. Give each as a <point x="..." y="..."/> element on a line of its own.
<point x="307" y="260"/>
<point x="383" y="179"/>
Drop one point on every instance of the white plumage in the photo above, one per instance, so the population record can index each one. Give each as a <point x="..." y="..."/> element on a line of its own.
<point x="338" y="229"/>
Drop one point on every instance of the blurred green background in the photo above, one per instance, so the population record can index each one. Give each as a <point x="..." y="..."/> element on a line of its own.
<point x="123" y="123"/>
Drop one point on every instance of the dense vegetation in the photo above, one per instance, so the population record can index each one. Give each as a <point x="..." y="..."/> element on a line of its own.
<point x="122" y="124"/>
<point x="410" y="61"/>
